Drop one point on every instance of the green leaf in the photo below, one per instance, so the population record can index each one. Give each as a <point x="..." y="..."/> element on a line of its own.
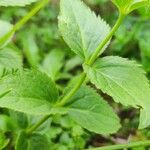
<point x="125" y="81"/>
<point x="5" y="27"/>
<point x="121" y="4"/>
<point x="22" y="141"/>
<point x="127" y="6"/>
<point x="6" y="123"/>
<point x="3" y="141"/>
<point x="90" y="111"/>
<point x="144" y="115"/>
<point x="30" y="92"/>
<point x="30" y="48"/>
<point x="43" y="128"/>
<point x="72" y="63"/>
<point x="38" y="142"/>
<point x="53" y="63"/>
<point x="35" y="141"/>
<point x="139" y="3"/>
<point x="16" y="2"/>
<point x="20" y="119"/>
<point x="81" y="29"/>
<point x="138" y="148"/>
<point x="10" y="59"/>
<point x="144" y="40"/>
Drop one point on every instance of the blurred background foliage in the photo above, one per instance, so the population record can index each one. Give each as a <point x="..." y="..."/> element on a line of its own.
<point x="40" y="46"/>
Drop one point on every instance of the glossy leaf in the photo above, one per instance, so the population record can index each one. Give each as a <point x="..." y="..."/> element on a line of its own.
<point x="16" y="2"/>
<point x="81" y="29"/>
<point x="125" y="81"/>
<point x="30" y="92"/>
<point x="90" y="111"/>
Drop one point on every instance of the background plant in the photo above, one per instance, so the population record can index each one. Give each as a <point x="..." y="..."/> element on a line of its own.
<point x="34" y="93"/>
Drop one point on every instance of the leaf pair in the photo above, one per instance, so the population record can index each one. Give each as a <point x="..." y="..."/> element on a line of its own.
<point x="33" y="92"/>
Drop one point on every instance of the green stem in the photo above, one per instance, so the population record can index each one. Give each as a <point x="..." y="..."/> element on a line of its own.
<point x="109" y="36"/>
<point x="73" y="91"/>
<point x="61" y="103"/>
<point x="19" y="24"/>
<point x="122" y="146"/>
<point x="34" y="127"/>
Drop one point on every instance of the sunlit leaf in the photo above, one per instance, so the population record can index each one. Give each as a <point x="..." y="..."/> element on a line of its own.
<point x="90" y="111"/>
<point x="81" y="29"/>
<point x="125" y="81"/>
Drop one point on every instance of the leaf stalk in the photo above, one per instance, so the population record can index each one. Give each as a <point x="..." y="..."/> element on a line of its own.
<point x="34" y="127"/>
<point x="98" y="50"/>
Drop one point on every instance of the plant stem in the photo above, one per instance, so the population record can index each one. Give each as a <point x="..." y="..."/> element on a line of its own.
<point x="104" y="42"/>
<point x="83" y="76"/>
<point x="34" y="127"/>
<point x="19" y="24"/>
<point x="122" y="146"/>
<point x="73" y="91"/>
<point x="61" y="103"/>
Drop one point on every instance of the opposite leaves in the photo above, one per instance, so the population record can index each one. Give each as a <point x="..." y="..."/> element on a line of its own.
<point x="16" y="2"/>
<point x="29" y="92"/>
<point x="89" y="110"/>
<point x="125" y="81"/>
<point x="81" y="29"/>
